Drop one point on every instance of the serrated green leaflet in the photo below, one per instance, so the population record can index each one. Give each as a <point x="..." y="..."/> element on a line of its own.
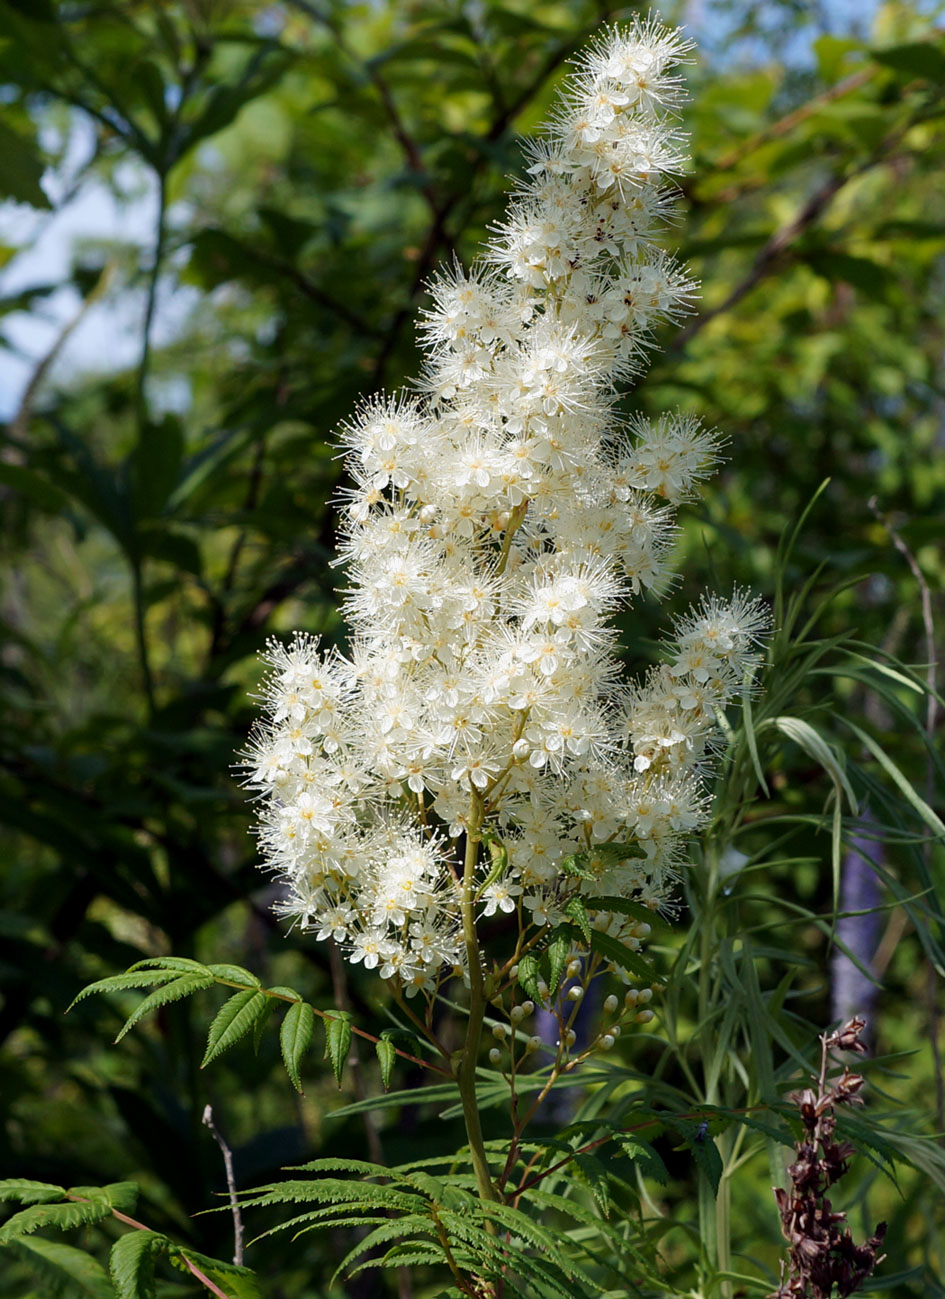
<point x="184" y="986"/>
<point x="386" y="1055"/>
<point x="63" y="1269"/>
<point x="131" y="1263"/>
<point x="58" y="1216"/>
<point x="528" y="976"/>
<point x="576" y="911"/>
<point x="28" y="1192"/>
<point x="556" y="956"/>
<point x="295" y="1037"/>
<point x="235" y="1018"/>
<point x="337" y="1040"/>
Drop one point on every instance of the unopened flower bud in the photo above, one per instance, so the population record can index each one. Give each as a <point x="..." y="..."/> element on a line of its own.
<point x="528" y="1007"/>
<point x="516" y="1014"/>
<point x="644" y="1016"/>
<point x="607" y="1041"/>
<point x="575" y="993"/>
<point x="499" y="1031"/>
<point x="645" y="995"/>
<point x="495" y="1055"/>
<point x="610" y="1005"/>
<point x="570" y="1037"/>
<point x="533" y="1043"/>
<point x="574" y="968"/>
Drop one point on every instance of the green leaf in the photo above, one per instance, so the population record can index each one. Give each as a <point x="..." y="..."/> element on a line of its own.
<point x="63" y="1269"/>
<point x="386" y="1055"/>
<point x="708" y="1160"/>
<point x="618" y="954"/>
<point x="61" y="1217"/>
<point x="185" y="986"/>
<point x="238" y="1282"/>
<point x="916" y="59"/>
<point x="556" y="956"/>
<point x="122" y="1196"/>
<point x="234" y="974"/>
<point x="20" y="170"/>
<point x="27" y="1192"/>
<point x="813" y="743"/>
<point x="124" y="982"/>
<point x="576" y="912"/>
<point x="337" y="1040"/>
<point x="527" y="977"/>
<point x="642" y="1153"/>
<point x="131" y="1263"/>
<point x="235" y="1018"/>
<point x="930" y="817"/>
<point x="35" y="487"/>
<point x="295" y="1037"/>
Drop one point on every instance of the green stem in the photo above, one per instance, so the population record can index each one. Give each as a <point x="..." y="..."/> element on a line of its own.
<point x="466" y="1069"/>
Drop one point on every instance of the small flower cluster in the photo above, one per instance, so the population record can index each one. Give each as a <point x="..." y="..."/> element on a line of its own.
<point x="495" y="523"/>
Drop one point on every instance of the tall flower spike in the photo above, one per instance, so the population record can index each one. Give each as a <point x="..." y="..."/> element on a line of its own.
<point x="494" y="524"/>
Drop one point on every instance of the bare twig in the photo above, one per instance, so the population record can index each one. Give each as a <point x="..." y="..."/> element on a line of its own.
<point x="227" y="1153"/>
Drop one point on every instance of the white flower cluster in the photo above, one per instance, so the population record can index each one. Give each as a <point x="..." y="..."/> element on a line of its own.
<point x="495" y="524"/>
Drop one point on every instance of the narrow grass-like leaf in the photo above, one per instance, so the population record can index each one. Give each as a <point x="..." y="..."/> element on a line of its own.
<point x="337" y="1041"/>
<point x="931" y="818"/>
<point x="26" y="1192"/>
<point x="814" y="744"/>
<point x="131" y="1263"/>
<point x="184" y="986"/>
<point x="295" y="1037"/>
<point x="234" y="1020"/>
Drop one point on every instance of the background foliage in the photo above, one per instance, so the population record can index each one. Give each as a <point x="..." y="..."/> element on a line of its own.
<point x="306" y="165"/>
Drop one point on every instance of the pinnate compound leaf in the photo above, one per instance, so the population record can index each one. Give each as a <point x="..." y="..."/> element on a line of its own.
<point x="131" y="1263"/>
<point x="27" y="1192"/>
<point x="235" y="1018"/>
<point x="63" y="1269"/>
<point x="386" y="1055"/>
<point x="337" y="1041"/>
<point x="295" y="1037"/>
<point x="184" y="986"/>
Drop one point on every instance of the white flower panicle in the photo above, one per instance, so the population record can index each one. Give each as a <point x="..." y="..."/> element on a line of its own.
<point x="495" y="523"/>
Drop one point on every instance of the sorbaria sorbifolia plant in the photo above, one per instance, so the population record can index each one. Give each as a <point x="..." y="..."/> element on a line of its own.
<point x="475" y="784"/>
<point x="472" y="794"/>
